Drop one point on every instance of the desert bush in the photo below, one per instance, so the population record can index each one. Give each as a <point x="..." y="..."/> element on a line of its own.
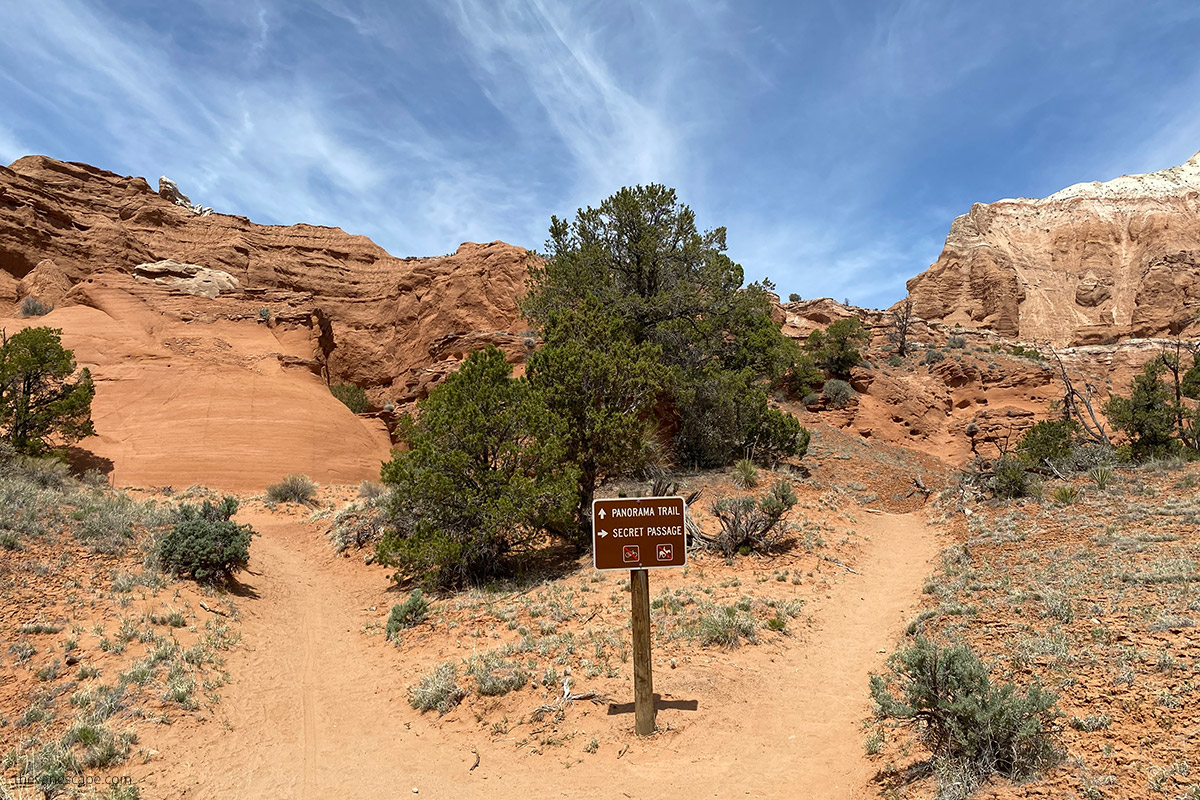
<point x="100" y="746"/>
<point x="293" y="489"/>
<point x="933" y="356"/>
<point x="956" y="342"/>
<point x="105" y="521"/>
<point x="370" y="490"/>
<point x="353" y="397"/>
<point x="793" y="298"/>
<point x="748" y="524"/>
<point x="1065" y="495"/>
<point x="49" y="472"/>
<point x="837" y="348"/>
<point x="1026" y="352"/>
<point x="494" y="676"/>
<point x="205" y="543"/>
<point x="745" y="474"/>
<point x="963" y="716"/>
<point x="838" y="393"/>
<point x="1101" y="476"/>
<point x="894" y="361"/>
<point x="811" y="399"/>
<point x="1010" y="479"/>
<point x="264" y="315"/>
<point x="1147" y="416"/>
<point x="726" y="626"/>
<point x="776" y="436"/>
<point x="50" y="768"/>
<point x="410" y="613"/>
<point x="359" y="523"/>
<point x="604" y="387"/>
<point x="33" y="307"/>
<point x="1048" y="442"/>
<point x="437" y="690"/>
<point x="804" y="376"/>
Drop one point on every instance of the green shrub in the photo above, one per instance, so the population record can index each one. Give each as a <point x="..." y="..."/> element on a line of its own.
<point x="894" y="360"/>
<point x="1026" y="352"/>
<point x="933" y="356"/>
<point x="838" y="393"/>
<point x="1101" y="476"/>
<point x="1065" y="495"/>
<point x="1049" y="442"/>
<point x="804" y="376"/>
<point x="745" y="474"/>
<point x="837" y="348"/>
<point x="353" y="397"/>
<point x="963" y="716"/>
<point x="41" y="397"/>
<point x="33" y="307"/>
<point x="778" y="435"/>
<point x="604" y="387"/>
<point x="1147" y="416"/>
<point x="293" y="489"/>
<point x="205" y="543"/>
<point x="793" y="298"/>
<point x="811" y="399"/>
<point x="1011" y="480"/>
<point x="726" y="626"/>
<point x="483" y="478"/>
<point x="410" y="613"/>
<point x="956" y="342"/>
<point x="494" y="676"/>
<point x="437" y="690"/>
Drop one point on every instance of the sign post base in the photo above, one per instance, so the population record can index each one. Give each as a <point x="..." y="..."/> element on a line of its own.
<point x="643" y="674"/>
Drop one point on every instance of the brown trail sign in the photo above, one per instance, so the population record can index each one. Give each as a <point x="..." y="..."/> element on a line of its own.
<point x="638" y="534"/>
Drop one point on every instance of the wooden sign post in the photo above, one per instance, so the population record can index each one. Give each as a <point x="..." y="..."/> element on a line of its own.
<point x="640" y="534"/>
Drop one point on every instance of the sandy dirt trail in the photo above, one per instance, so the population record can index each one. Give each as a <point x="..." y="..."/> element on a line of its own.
<point x="317" y="710"/>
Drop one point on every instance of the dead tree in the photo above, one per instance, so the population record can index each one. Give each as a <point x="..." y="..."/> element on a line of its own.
<point x="1074" y="400"/>
<point x="902" y="319"/>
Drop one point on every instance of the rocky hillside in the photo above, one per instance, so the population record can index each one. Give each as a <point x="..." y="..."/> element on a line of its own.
<point x="212" y="337"/>
<point x="1093" y="263"/>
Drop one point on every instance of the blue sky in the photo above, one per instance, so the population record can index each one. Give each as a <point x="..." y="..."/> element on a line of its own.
<point x="835" y="140"/>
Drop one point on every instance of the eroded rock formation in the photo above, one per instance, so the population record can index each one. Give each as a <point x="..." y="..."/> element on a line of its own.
<point x="212" y="337"/>
<point x="1093" y="263"/>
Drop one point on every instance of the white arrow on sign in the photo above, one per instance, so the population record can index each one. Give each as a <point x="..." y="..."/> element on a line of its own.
<point x="601" y="514"/>
<point x="602" y="533"/>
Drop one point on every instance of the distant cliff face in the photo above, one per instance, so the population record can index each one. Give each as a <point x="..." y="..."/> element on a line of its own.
<point x="212" y="338"/>
<point x="1093" y="263"/>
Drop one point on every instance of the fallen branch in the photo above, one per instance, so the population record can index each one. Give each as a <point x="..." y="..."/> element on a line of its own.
<point x="206" y="607"/>
<point x="840" y="564"/>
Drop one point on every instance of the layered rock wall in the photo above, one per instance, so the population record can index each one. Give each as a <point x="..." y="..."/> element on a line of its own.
<point x="1093" y="263"/>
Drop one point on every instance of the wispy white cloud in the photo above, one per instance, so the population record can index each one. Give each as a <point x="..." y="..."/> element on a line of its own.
<point x="614" y="136"/>
<point x="830" y="139"/>
<point x="10" y="147"/>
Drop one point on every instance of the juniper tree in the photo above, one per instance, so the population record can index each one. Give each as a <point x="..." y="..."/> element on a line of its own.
<point x="42" y="398"/>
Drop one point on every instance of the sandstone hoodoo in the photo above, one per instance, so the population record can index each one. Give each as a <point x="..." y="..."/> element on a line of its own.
<point x="1091" y="264"/>
<point x="205" y="331"/>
